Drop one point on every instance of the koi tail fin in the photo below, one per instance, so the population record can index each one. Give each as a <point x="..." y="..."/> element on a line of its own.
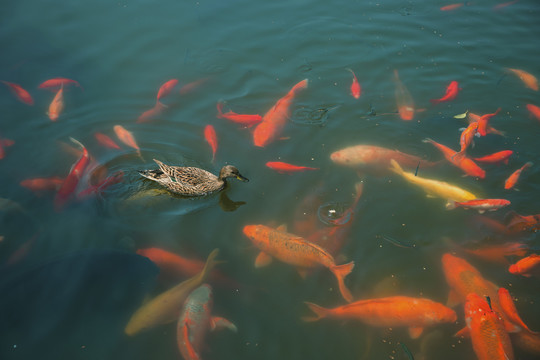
<point x="219" y="107"/>
<point x="528" y="165"/>
<point x="341" y="271"/>
<point x="451" y="204"/>
<point x="395" y="167"/>
<point x="211" y="262"/>
<point x="319" y="311"/>
<point x="428" y="140"/>
<point x="509" y="309"/>
<point x="301" y="85"/>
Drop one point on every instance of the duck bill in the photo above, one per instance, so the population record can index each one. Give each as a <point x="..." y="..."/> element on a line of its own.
<point x="241" y="178"/>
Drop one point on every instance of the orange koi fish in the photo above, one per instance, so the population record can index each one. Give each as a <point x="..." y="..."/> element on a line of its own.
<point x="451" y="93"/>
<point x="165" y="308"/>
<point x="404" y="100"/>
<point x="4" y="143"/>
<point x="274" y="120"/>
<point x="466" y="138"/>
<point x="72" y="180"/>
<point x="151" y="114"/>
<point x="451" y="7"/>
<point x="483" y="122"/>
<point x="297" y="251"/>
<point x="57" y="105"/>
<point x="196" y="320"/>
<point x="102" y="185"/>
<point x="503" y="5"/>
<point x="513" y="179"/>
<point x="211" y="138"/>
<point x="284" y="168"/>
<point x="189" y="87"/>
<point x="56" y="83"/>
<point x="42" y="184"/>
<point x="375" y="159"/>
<point x="498" y="253"/>
<point x="21" y="94"/>
<point x="468" y="166"/>
<point x="166" y="88"/>
<point x="501" y="156"/>
<point x="481" y="205"/>
<point x="534" y="110"/>
<point x="393" y="311"/>
<point x="489" y="339"/>
<point x="356" y="90"/>
<point x="472" y="117"/>
<point x="509" y="308"/>
<point x="106" y="141"/>
<point x="529" y="80"/>
<point x="244" y="119"/>
<point x="517" y="223"/>
<point x="127" y="138"/>
<point x="527" y="266"/>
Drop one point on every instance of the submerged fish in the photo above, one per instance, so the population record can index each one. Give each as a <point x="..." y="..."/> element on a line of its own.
<point x="21" y="94"/>
<point x="451" y="93"/>
<point x="404" y="100"/>
<point x="356" y="90"/>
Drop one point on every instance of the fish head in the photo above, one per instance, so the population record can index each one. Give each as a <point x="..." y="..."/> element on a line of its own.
<point x="476" y="306"/>
<point x="202" y="295"/>
<point x="441" y="314"/>
<point x="254" y="232"/>
<point x="513" y="269"/>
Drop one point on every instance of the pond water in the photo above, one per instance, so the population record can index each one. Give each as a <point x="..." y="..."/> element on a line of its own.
<point x="70" y="278"/>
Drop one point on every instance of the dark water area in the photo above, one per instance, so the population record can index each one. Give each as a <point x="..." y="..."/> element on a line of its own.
<point x="70" y="278"/>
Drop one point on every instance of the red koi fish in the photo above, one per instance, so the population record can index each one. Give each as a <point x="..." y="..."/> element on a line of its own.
<point x="509" y="308"/>
<point x="57" y="105"/>
<point x="21" y="94"/>
<point x="151" y="114"/>
<point x="274" y="120"/>
<point x="517" y="223"/>
<point x="101" y="186"/>
<point x="356" y="90"/>
<point x="481" y="205"/>
<point x="127" y="138"/>
<point x="4" y="143"/>
<point x="244" y="119"/>
<point x="483" y="122"/>
<point x="451" y="7"/>
<point x="43" y="184"/>
<point x="498" y="253"/>
<point x="296" y="251"/>
<point x="527" y="266"/>
<point x="534" y="110"/>
<point x="72" y="180"/>
<point x="284" y="168"/>
<point x="451" y="92"/>
<point x="404" y="100"/>
<point x="466" y="138"/>
<point x="528" y="79"/>
<point x="166" y="88"/>
<point x="56" y="83"/>
<point x="489" y="339"/>
<point x="468" y="166"/>
<point x="196" y="320"/>
<point x="501" y="156"/>
<point x="211" y="138"/>
<point x="393" y="311"/>
<point x="472" y="117"/>
<point x="106" y="141"/>
<point x="513" y="179"/>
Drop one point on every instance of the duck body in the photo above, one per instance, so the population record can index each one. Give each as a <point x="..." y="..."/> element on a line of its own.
<point x="191" y="181"/>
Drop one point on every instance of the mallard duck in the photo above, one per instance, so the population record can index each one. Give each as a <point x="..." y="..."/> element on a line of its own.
<point x="191" y="181"/>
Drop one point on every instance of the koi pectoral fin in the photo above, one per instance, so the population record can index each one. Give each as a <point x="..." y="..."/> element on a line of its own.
<point x="218" y="323"/>
<point x="262" y="260"/>
<point x="415" y="332"/>
<point x="463" y="333"/>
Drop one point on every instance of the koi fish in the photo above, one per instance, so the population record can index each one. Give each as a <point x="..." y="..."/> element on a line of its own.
<point x="509" y="309"/>
<point x="466" y="138"/>
<point x="433" y="187"/>
<point x="72" y="179"/>
<point x="534" y="110"/>
<point x="529" y="80"/>
<point x="489" y="339"/>
<point x="151" y="114"/>
<point x="189" y="87"/>
<point x="195" y="321"/>
<point x="472" y="117"/>
<point x="451" y="7"/>
<point x="498" y="253"/>
<point x="375" y="159"/>
<point x="503" y="5"/>
<point x="393" y="311"/>
<point x="501" y="156"/>
<point x="450" y="94"/>
<point x="165" y="308"/>
<point x="283" y="168"/>
<point x="106" y="141"/>
<point x="56" y="83"/>
<point x="4" y="143"/>
<point x="462" y="162"/>
<point x="483" y="122"/>
<point x="527" y="266"/>
<point x="404" y="100"/>
<point x="57" y="105"/>
<point x="481" y="205"/>
<point x="211" y="138"/>
<point x="102" y="185"/>
<point x="517" y="223"/>
<point x="355" y="86"/>
<point x="513" y="179"/>
<point x="166" y="88"/>
<point x="21" y="94"/>
<point x="244" y="119"/>
<point x="297" y="251"/>
<point x="42" y="184"/>
<point x="274" y="120"/>
<point x="127" y="138"/>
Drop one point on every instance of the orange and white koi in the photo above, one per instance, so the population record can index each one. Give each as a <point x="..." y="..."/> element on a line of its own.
<point x="284" y="168"/>
<point x="514" y="177"/>
<point x="297" y="251"/>
<point x="501" y="156"/>
<point x="468" y="166"/>
<point x="274" y="120"/>
<point x="393" y="311"/>
<point x="57" y="105"/>
<point x="451" y="93"/>
<point x="481" y="205"/>
<point x="211" y="138"/>
<point x="528" y="79"/>
<point x="127" y="138"/>
<point x="244" y="119"/>
<point x="356" y="90"/>
<point x="527" y="266"/>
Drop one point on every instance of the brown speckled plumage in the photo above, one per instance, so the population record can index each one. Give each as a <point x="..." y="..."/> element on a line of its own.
<point x="191" y="181"/>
